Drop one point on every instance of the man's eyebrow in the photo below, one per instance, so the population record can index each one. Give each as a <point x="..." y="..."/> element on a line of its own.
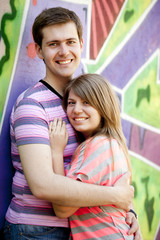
<point x="56" y="41"/>
<point x="52" y="41"/>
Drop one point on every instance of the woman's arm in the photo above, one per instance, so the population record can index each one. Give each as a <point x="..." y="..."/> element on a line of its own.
<point x="58" y="136"/>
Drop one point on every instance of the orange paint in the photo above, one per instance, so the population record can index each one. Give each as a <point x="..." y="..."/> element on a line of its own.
<point x="31" y="51"/>
<point x="34" y="2"/>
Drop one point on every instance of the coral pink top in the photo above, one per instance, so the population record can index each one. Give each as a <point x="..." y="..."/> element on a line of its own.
<point x="99" y="161"/>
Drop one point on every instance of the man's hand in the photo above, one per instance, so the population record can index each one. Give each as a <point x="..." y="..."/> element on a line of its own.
<point x="126" y="192"/>
<point x="123" y="180"/>
<point x="133" y="222"/>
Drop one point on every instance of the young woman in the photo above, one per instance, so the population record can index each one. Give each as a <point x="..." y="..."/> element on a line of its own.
<point x="101" y="158"/>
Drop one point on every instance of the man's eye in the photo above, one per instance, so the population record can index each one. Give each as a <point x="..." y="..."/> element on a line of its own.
<point x="52" y="44"/>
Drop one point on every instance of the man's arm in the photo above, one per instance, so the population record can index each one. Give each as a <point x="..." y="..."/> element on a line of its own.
<point x="45" y="184"/>
<point x="130" y="217"/>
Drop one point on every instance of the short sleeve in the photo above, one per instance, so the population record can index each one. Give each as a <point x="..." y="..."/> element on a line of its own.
<point x="99" y="161"/>
<point x="29" y="122"/>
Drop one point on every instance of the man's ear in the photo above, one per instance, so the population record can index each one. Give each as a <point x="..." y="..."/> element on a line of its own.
<point x="81" y="44"/>
<point x="38" y="51"/>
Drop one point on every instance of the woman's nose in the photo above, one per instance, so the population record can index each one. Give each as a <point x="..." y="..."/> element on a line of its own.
<point x="77" y="108"/>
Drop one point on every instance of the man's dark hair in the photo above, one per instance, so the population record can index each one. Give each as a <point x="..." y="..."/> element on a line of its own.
<point x="52" y="16"/>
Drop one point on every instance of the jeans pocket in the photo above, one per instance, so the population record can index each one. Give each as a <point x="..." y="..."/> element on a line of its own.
<point x="33" y="231"/>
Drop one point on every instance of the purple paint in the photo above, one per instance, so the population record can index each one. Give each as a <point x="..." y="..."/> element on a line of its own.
<point x="136" y="51"/>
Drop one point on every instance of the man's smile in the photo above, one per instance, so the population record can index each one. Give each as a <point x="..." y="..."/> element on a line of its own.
<point x="63" y="62"/>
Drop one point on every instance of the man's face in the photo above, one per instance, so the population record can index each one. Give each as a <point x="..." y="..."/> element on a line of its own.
<point x="61" y="50"/>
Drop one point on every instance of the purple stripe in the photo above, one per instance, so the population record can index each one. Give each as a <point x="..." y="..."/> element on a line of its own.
<point x="32" y="210"/>
<point x="21" y="190"/>
<point x="16" y="158"/>
<point x="29" y="120"/>
<point x="30" y="140"/>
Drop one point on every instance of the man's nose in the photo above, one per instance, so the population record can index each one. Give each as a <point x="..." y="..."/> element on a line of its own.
<point x="63" y="49"/>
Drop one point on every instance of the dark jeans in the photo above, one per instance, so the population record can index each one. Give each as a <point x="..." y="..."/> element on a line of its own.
<point x="30" y="232"/>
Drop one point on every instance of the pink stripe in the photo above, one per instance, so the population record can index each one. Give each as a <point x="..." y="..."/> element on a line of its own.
<point x="31" y="219"/>
<point x="108" y="11"/>
<point x="115" y="5"/>
<point x="101" y="18"/>
<point x="90" y="223"/>
<point x="99" y="233"/>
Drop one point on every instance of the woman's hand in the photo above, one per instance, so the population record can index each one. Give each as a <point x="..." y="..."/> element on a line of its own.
<point x="58" y="135"/>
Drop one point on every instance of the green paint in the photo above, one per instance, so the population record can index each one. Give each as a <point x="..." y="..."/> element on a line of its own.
<point x="141" y="99"/>
<point x="10" y="30"/>
<point x="5" y="18"/>
<point x="146" y="201"/>
<point x="128" y="14"/>
<point x="143" y="93"/>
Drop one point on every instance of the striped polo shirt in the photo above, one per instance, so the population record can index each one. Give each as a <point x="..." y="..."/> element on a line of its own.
<point x="30" y="117"/>
<point x="99" y="161"/>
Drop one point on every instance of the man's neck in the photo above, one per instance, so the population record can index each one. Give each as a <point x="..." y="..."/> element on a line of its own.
<point x="58" y="84"/>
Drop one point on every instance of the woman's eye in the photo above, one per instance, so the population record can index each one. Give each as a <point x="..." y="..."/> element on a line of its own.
<point x="70" y="103"/>
<point x="85" y="102"/>
<point x="71" y="42"/>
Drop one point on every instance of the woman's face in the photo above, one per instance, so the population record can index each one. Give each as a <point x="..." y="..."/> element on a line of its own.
<point x="82" y="116"/>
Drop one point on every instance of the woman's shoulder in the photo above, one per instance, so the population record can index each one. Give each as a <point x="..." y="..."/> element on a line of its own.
<point x="103" y="141"/>
<point x="96" y="142"/>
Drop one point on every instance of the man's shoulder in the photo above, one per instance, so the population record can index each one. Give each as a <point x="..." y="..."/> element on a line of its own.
<point x="27" y="95"/>
<point x="28" y="90"/>
<point x="34" y="92"/>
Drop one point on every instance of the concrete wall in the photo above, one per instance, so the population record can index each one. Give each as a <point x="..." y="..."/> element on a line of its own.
<point x="122" y="41"/>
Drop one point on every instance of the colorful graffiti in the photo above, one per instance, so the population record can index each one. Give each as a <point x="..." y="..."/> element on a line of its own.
<point x="122" y="41"/>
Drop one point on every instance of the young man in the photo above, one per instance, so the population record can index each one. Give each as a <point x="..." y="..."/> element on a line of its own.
<point x="58" y="40"/>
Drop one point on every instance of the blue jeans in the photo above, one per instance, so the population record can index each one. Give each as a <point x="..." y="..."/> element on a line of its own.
<point x="30" y="232"/>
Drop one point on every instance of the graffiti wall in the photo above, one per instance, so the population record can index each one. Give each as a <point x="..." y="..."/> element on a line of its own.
<point x="122" y="42"/>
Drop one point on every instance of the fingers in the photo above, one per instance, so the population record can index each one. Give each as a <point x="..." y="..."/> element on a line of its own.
<point x="127" y="176"/>
<point x="138" y="235"/>
<point x="133" y="222"/>
<point x="134" y="228"/>
<point x="50" y="127"/>
<point x="57" y="125"/>
<point x="124" y="179"/>
<point x="129" y="218"/>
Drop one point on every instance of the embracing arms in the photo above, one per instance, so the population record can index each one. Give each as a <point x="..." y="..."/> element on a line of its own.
<point x="58" y="139"/>
<point x="45" y="184"/>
